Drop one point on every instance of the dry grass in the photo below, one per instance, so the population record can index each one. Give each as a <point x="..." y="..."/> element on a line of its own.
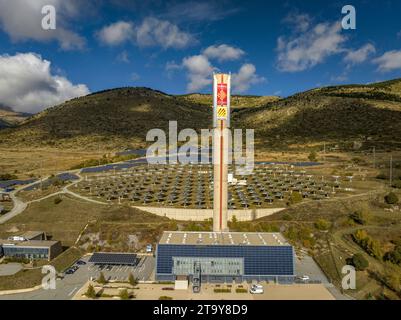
<point x="41" y="162"/>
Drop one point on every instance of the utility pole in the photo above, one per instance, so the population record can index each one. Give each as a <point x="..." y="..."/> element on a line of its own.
<point x="374" y="157"/>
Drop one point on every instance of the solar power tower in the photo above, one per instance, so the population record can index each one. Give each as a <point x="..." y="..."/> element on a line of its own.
<point x="221" y="124"/>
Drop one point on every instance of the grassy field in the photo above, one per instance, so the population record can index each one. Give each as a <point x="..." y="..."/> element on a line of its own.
<point x="63" y="221"/>
<point x="38" y="162"/>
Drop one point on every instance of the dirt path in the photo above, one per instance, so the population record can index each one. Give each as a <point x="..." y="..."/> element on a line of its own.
<point x="20" y="205"/>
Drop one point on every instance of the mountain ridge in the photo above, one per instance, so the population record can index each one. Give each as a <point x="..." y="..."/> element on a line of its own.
<point x="119" y="118"/>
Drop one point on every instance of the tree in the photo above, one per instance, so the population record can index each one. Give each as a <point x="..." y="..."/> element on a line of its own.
<point x="394" y="256"/>
<point x="312" y="156"/>
<point x="322" y="224"/>
<point x="124" y="295"/>
<point x="361" y="216"/>
<point x="295" y="198"/>
<point x="391" y="198"/>
<point x="397" y="184"/>
<point x="101" y="279"/>
<point x="392" y="276"/>
<point x="90" y="292"/>
<point x="234" y="220"/>
<point x="359" y="262"/>
<point x="132" y="280"/>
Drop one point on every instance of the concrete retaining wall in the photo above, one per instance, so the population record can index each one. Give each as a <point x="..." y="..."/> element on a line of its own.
<point x="203" y="214"/>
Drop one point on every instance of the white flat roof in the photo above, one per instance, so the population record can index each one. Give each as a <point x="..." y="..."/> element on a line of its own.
<point x="223" y="238"/>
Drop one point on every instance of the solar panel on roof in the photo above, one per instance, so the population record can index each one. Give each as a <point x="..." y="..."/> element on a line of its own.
<point x="114" y="258"/>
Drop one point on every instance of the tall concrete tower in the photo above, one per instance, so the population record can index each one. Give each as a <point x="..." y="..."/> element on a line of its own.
<point x="221" y="124"/>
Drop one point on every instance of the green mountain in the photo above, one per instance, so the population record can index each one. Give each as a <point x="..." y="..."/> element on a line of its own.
<point x="341" y="115"/>
<point x="363" y="115"/>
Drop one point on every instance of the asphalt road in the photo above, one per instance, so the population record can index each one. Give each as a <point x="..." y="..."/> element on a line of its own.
<point x="67" y="287"/>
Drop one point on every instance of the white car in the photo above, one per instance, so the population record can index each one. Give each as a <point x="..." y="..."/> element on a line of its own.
<point x="304" y="278"/>
<point x="256" y="289"/>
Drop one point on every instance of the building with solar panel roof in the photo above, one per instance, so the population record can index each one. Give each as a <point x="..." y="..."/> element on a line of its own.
<point x="224" y="256"/>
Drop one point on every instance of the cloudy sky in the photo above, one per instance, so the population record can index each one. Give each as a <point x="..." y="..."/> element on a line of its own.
<point x="270" y="47"/>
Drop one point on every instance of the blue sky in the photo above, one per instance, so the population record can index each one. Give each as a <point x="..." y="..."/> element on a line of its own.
<point x="271" y="47"/>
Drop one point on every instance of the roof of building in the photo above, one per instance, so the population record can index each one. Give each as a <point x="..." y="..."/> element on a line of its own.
<point x="113" y="258"/>
<point x="29" y="243"/>
<point x="223" y="238"/>
<point x="32" y="234"/>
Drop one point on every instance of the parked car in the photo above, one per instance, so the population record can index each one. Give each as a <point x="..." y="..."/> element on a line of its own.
<point x="256" y="289"/>
<point x="81" y="262"/>
<point x="303" y="278"/>
<point x="70" y="271"/>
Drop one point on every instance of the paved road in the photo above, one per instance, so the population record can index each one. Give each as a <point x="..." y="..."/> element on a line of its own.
<point x="65" y="289"/>
<point x="20" y="206"/>
<point x="305" y="265"/>
<point x="68" y="287"/>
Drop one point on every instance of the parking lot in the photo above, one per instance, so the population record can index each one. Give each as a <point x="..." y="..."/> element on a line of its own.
<point x="68" y="286"/>
<point x="143" y="271"/>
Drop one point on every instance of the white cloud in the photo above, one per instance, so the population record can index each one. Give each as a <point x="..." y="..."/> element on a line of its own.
<point x="116" y="33"/>
<point x="123" y="57"/>
<point x="389" y="61"/>
<point x="151" y="32"/>
<point x="245" y="77"/>
<point x="307" y="49"/>
<point x="223" y="52"/>
<point x="360" y="55"/>
<point x="27" y="85"/>
<point x="156" y="32"/>
<point x="301" y="22"/>
<point x="199" y="72"/>
<point x="21" y="20"/>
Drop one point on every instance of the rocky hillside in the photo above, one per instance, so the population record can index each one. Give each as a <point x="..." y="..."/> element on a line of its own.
<point x="347" y="116"/>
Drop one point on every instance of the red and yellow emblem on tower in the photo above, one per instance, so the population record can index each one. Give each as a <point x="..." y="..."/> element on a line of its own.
<point x="222" y="94"/>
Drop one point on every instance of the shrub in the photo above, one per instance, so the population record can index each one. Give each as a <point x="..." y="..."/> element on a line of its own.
<point x="359" y="262"/>
<point x="222" y="290"/>
<point x="101" y="279"/>
<point x="397" y="184"/>
<point x="361" y="216"/>
<point x="391" y="198"/>
<point x="381" y="176"/>
<point x="322" y="224"/>
<point x="57" y="200"/>
<point x="392" y="277"/>
<point x="295" y="197"/>
<point x="132" y="280"/>
<point x="394" y="256"/>
<point x="124" y="295"/>
<point x="370" y="245"/>
<point x="90" y="292"/>
<point x="312" y="156"/>
<point x="241" y="290"/>
<point x="165" y="298"/>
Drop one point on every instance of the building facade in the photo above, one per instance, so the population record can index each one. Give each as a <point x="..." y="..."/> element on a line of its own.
<point x="32" y="250"/>
<point x="225" y="257"/>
